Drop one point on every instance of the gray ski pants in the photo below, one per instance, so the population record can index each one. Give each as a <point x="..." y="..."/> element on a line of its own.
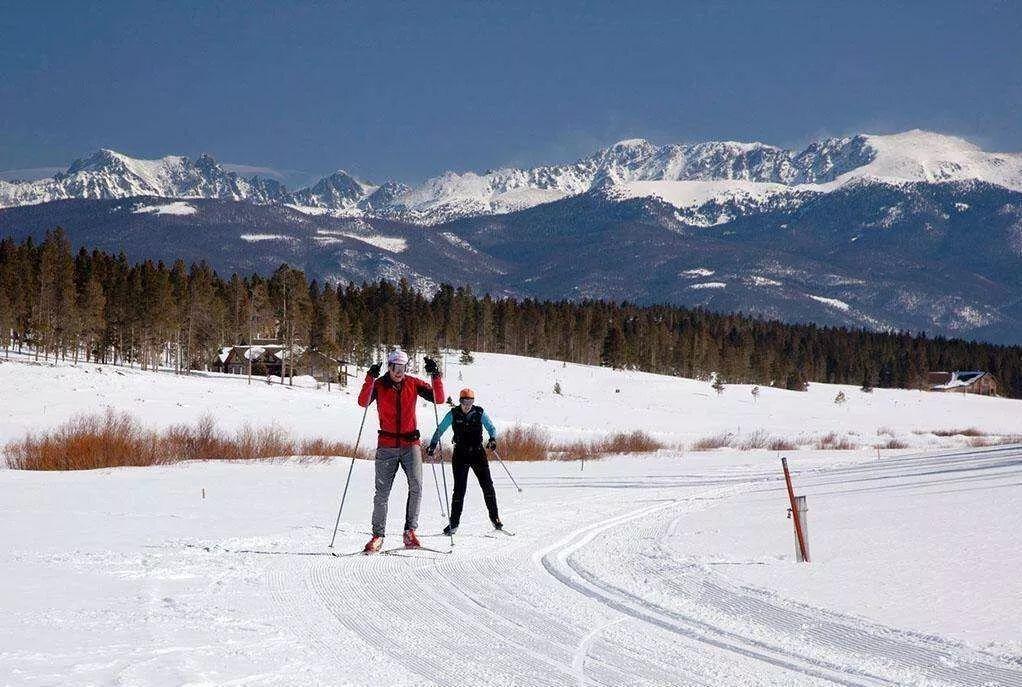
<point x="387" y="461"/>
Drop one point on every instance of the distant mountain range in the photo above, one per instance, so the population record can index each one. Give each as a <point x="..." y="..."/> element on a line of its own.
<point x="915" y="230"/>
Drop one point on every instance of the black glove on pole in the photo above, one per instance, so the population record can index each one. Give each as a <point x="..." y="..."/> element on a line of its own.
<point x="432" y="369"/>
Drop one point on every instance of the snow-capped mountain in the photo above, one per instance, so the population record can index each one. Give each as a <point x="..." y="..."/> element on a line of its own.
<point x="108" y="174"/>
<point x="738" y="177"/>
<point x="916" y="230"/>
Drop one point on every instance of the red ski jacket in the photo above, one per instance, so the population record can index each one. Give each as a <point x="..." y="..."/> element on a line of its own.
<point x="395" y="404"/>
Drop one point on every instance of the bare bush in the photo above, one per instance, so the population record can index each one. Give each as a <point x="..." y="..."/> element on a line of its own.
<point x="721" y="440"/>
<point x="757" y="439"/>
<point x="531" y="443"/>
<point x="627" y="442"/>
<point x="893" y="443"/>
<point x="525" y="443"/>
<point x="118" y="440"/>
<point x="90" y="441"/>
<point x="968" y="432"/>
<point x="833" y="442"/>
<point x="779" y="444"/>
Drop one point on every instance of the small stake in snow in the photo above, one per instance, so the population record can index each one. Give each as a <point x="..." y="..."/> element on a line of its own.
<point x="204" y="493"/>
<point x="797" y="514"/>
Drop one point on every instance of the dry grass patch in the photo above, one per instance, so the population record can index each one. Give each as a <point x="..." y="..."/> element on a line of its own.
<point x="720" y="440"/>
<point x="968" y="432"/>
<point x="834" y="442"/>
<point x="531" y="443"/>
<point x="525" y="443"/>
<point x="892" y="443"/>
<point x="118" y="440"/>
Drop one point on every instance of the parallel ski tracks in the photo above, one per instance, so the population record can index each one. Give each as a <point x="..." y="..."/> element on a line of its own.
<point x="816" y="643"/>
<point x="511" y="615"/>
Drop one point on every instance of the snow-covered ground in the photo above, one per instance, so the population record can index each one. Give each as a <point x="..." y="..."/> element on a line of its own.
<point x="674" y="568"/>
<point x="515" y="390"/>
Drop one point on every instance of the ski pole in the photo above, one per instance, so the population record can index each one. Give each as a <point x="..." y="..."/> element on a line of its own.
<point x="351" y="467"/>
<point x="443" y="473"/>
<point x="439" y="498"/>
<point x="504" y="465"/>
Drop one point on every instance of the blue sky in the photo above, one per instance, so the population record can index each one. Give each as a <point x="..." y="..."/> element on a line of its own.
<point x="407" y="90"/>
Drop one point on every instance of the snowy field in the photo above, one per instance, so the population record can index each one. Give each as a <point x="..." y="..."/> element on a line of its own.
<point x="671" y="569"/>
<point x="515" y="391"/>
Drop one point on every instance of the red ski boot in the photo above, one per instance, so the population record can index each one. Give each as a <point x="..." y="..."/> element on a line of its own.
<point x="411" y="541"/>
<point x="373" y="545"/>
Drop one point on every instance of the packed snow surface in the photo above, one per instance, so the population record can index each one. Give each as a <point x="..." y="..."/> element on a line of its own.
<point x="667" y="569"/>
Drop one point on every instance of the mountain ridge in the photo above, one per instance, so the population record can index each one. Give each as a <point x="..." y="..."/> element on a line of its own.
<point x="756" y="171"/>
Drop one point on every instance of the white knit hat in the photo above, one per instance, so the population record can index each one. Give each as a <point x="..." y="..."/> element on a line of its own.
<point x="397" y="357"/>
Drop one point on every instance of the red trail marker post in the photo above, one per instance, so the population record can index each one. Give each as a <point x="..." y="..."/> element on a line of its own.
<point x="797" y="512"/>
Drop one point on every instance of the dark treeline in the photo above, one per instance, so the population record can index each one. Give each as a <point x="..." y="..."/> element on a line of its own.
<point x="99" y="306"/>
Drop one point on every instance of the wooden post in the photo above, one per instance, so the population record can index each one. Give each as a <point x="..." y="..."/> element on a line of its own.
<point x="795" y="516"/>
<point x="803" y="524"/>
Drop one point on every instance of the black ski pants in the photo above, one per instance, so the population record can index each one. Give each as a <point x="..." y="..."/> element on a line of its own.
<point x="474" y="458"/>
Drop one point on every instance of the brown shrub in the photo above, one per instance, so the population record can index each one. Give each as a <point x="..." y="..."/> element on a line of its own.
<point x="524" y="443"/>
<point x="116" y="440"/>
<point x="531" y="443"/>
<point x="969" y="432"/>
<point x="90" y="441"/>
<point x="721" y="440"/>
<point x="893" y="443"/>
<point x="627" y="442"/>
<point x="833" y="442"/>
<point x="757" y="439"/>
<point x="779" y="444"/>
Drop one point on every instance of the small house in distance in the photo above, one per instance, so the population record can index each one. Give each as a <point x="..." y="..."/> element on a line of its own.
<point x="266" y="357"/>
<point x="972" y="382"/>
<point x="270" y="358"/>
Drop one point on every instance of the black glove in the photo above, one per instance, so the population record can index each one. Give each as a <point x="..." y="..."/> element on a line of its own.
<point x="431" y="367"/>
<point x="374" y="371"/>
<point x="492" y="444"/>
<point x="431" y="450"/>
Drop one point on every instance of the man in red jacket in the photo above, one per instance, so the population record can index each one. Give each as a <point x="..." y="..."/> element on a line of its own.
<point x="395" y="394"/>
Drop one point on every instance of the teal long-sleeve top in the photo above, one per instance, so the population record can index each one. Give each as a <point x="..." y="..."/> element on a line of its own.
<point x="445" y="425"/>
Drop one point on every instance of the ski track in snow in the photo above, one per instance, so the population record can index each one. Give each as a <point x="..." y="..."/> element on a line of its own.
<point x="621" y="573"/>
<point x="489" y="615"/>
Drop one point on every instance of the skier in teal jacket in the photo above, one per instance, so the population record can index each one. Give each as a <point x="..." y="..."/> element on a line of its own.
<point x="468" y="421"/>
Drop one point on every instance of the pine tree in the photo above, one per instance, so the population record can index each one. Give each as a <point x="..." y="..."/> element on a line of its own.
<point x="613" y="354"/>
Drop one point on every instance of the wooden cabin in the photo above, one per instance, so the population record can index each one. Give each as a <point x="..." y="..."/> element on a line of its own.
<point x="962" y="382"/>
<point x="267" y="359"/>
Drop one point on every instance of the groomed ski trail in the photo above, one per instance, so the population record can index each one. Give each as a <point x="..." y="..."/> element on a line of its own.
<point x="518" y="612"/>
